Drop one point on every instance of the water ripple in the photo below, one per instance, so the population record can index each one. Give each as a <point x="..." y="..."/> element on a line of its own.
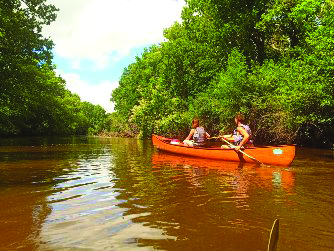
<point x="121" y="194"/>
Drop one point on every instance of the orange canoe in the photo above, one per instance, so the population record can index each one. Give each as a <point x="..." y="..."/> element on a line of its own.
<point x="271" y="155"/>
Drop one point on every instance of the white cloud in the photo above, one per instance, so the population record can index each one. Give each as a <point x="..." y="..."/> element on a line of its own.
<point x="97" y="94"/>
<point x="93" y="29"/>
<point x="104" y="32"/>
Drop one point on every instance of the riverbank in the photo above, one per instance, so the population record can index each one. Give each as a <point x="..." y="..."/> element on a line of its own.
<point x="125" y="134"/>
<point x="129" y="134"/>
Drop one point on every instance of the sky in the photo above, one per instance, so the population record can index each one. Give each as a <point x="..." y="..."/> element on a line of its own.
<point x="96" y="39"/>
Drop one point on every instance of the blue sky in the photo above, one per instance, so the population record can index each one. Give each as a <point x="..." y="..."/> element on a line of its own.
<point x="112" y="72"/>
<point x="96" y="39"/>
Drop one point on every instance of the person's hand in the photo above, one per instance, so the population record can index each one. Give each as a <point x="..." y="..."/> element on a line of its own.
<point x="237" y="148"/>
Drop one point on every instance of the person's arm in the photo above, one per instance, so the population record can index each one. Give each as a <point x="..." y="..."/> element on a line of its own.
<point x="245" y="138"/>
<point x="207" y="135"/>
<point x="228" y="137"/>
<point x="192" y="131"/>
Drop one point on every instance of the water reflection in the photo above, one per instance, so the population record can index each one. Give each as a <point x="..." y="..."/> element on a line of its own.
<point x="121" y="194"/>
<point x="221" y="198"/>
<point x="92" y="207"/>
<point x="239" y="175"/>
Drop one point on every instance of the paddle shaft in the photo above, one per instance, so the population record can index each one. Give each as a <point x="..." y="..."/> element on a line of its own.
<point x="229" y="143"/>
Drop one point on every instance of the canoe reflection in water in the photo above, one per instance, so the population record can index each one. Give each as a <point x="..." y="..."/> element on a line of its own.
<point x="239" y="175"/>
<point x="240" y="182"/>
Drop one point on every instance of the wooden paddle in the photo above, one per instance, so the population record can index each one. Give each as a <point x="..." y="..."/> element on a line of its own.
<point x="274" y="234"/>
<point x="233" y="146"/>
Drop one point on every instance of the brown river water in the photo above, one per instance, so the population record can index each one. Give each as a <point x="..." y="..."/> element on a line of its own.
<point x="81" y="193"/>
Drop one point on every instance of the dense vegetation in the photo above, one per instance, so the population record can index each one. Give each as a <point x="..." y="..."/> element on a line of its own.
<point x="33" y="99"/>
<point x="271" y="60"/>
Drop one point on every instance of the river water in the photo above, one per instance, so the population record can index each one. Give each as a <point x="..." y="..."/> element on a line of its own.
<point x="88" y="193"/>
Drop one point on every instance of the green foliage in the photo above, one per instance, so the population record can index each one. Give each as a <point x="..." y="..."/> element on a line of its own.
<point x="95" y="116"/>
<point x="174" y="124"/>
<point x="115" y="123"/>
<point x="271" y="60"/>
<point x="33" y="99"/>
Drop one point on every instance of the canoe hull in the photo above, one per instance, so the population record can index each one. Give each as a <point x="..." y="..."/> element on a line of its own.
<point x="272" y="155"/>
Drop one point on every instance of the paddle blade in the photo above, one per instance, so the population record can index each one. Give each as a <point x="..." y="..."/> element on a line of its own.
<point x="274" y="234"/>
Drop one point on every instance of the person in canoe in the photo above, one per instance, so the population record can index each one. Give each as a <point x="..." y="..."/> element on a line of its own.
<point x="242" y="135"/>
<point x="198" y="134"/>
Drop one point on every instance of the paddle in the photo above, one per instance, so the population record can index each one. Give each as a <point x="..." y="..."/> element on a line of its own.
<point x="233" y="146"/>
<point x="273" y="239"/>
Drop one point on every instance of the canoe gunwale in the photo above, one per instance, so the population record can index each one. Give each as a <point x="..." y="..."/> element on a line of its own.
<point x="163" y="139"/>
<point x="265" y="154"/>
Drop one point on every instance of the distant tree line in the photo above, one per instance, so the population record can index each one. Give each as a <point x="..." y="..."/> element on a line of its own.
<point x="33" y="99"/>
<point x="271" y="60"/>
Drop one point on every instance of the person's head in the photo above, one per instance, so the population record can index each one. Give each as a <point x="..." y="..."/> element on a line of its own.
<point x="195" y="123"/>
<point x="239" y="117"/>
